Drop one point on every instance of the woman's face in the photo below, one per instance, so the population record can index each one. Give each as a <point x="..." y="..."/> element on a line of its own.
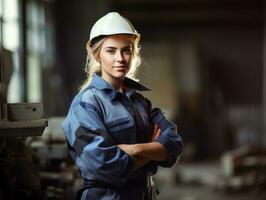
<point x="115" y="57"/>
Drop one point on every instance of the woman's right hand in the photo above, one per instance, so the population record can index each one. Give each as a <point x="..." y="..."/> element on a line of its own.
<point x="156" y="133"/>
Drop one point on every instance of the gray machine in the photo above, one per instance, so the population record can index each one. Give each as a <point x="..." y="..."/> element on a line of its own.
<point x="18" y="119"/>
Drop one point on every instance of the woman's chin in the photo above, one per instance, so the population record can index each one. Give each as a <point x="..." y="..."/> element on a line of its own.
<point x="120" y="75"/>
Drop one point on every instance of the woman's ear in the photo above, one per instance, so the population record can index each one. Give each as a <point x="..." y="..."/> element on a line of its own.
<point x="97" y="57"/>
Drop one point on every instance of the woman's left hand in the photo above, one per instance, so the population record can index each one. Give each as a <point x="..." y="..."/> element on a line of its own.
<point x="129" y="149"/>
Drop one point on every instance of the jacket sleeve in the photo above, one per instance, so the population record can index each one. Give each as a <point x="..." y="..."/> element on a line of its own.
<point x="93" y="153"/>
<point x="169" y="137"/>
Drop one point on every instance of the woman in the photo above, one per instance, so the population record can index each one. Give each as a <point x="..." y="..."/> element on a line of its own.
<point x="114" y="136"/>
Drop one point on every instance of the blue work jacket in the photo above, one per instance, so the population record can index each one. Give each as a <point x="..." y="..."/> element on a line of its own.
<point x="100" y="118"/>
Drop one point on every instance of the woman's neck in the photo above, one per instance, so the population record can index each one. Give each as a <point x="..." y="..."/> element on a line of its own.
<point x="115" y="82"/>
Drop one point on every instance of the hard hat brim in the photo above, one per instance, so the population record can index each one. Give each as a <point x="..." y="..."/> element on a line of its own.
<point x="98" y="38"/>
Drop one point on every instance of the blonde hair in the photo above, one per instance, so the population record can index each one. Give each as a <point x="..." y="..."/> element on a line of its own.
<point x="92" y="66"/>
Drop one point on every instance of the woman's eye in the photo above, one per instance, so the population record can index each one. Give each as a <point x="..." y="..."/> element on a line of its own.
<point x="128" y="51"/>
<point x="111" y="51"/>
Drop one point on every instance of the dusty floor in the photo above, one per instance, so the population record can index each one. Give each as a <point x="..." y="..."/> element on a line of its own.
<point x="181" y="192"/>
<point x="199" y="181"/>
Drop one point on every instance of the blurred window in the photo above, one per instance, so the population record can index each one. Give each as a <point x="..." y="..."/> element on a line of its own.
<point x="39" y="52"/>
<point x="35" y="48"/>
<point x="9" y="14"/>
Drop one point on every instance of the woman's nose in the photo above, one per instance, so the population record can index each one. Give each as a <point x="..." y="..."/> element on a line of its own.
<point x="120" y="56"/>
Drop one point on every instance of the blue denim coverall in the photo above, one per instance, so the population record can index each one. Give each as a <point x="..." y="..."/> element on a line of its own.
<point x="99" y="118"/>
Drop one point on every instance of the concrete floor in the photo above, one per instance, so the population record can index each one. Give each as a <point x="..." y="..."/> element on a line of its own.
<point x="182" y="192"/>
<point x="199" y="181"/>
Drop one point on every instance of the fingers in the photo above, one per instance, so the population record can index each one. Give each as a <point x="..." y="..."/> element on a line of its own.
<point x="156" y="132"/>
<point x="155" y="128"/>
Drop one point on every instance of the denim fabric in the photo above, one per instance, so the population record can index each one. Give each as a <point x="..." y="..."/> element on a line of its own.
<point x="99" y="118"/>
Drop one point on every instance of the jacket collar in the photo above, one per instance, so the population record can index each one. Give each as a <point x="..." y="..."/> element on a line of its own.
<point x="131" y="85"/>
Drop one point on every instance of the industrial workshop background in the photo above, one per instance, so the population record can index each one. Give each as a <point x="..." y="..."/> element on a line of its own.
<point x="203" y="59"/>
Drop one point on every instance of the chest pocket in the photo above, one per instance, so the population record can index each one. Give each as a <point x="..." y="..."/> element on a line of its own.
<point x="122" y="130"/>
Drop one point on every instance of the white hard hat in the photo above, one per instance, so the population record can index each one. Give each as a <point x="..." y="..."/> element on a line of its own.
<point x="111" y="24"/>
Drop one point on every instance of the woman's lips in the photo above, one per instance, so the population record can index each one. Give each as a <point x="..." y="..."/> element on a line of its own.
<point x="121" y="66"/>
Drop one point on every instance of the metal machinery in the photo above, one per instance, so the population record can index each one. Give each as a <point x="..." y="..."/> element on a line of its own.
<point x="19" y="175"/>
<point x="19" y="119"/>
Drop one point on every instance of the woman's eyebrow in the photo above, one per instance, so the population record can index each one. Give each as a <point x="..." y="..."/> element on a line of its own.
<point x="111" y="47"/>
<point x="128" y="46"/>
